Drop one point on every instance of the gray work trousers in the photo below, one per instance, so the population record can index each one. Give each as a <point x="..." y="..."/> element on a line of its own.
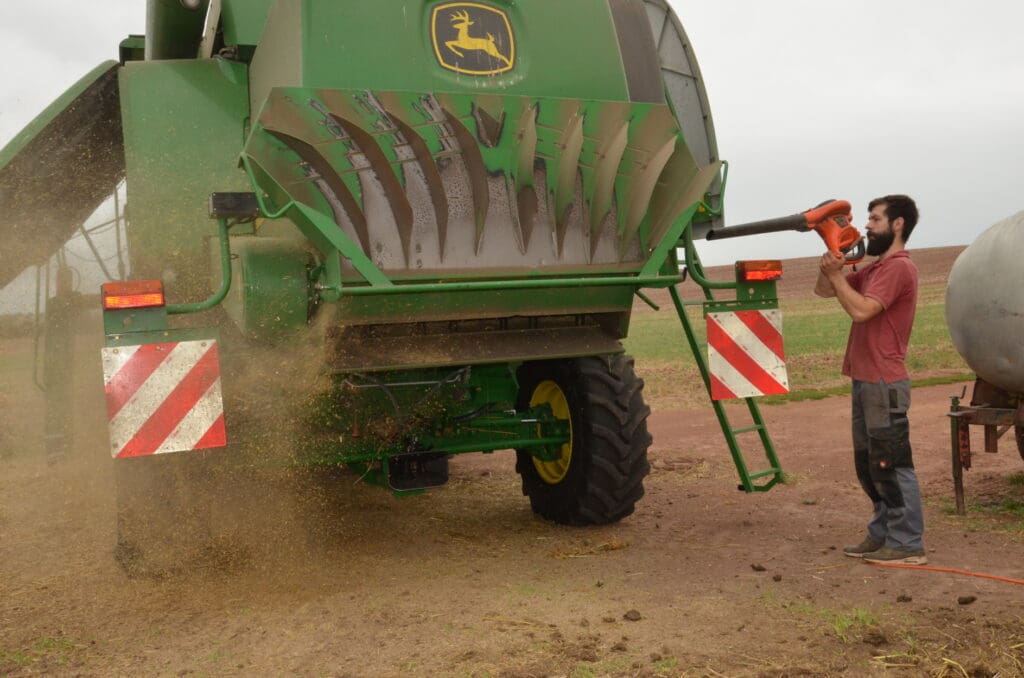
<point x="885" y="464"/>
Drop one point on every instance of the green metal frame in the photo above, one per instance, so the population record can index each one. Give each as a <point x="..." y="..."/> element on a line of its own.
<point x="574" y="125"/>
<point x="133" y="321"/>
<point x="484" y="420"/>
<point x="535" y="430"/>
<point x="329" y="238"/>
<point x="38" y="125"/>
<point x="225" y="277"/>
<point x="760" y="295"/>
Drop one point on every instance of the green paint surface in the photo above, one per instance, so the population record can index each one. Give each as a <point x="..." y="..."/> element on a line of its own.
<point x="183" y="124"/>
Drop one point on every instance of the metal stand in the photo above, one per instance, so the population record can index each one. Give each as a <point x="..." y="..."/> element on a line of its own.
<point x="996" y="420"/>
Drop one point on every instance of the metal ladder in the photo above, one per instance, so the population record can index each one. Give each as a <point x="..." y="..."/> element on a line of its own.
<point x="772" y="475"/>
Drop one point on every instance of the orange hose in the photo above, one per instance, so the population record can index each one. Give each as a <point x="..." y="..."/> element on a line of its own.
<point x="946" y="569"/>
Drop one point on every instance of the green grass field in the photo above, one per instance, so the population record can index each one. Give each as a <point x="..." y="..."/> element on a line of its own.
<point x="814" y="332"/>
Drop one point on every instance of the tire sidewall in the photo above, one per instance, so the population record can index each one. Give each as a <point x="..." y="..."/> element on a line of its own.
<point x="557" y="498"/>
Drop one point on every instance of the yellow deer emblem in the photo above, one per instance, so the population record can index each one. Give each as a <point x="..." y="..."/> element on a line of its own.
<point x="488" y="50"/>
<point x="461" y="22"/>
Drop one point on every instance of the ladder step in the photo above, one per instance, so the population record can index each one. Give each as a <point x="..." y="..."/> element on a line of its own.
<point x="773" y="475"/>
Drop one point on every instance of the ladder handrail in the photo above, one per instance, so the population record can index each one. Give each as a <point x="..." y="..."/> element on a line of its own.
<point x="696" y="270"/>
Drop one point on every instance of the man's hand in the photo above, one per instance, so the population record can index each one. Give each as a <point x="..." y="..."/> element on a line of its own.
<point x="831" y="265"/>
<point x="832" y="283"/>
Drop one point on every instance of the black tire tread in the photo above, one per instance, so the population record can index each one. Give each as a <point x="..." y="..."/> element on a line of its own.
<point x="610" y="431"/>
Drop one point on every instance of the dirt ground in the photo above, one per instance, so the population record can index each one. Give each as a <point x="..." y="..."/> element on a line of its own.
<point x="343" y="579"/>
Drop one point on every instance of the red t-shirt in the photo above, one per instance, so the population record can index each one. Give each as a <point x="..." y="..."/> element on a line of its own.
<point x="876" y="348"/>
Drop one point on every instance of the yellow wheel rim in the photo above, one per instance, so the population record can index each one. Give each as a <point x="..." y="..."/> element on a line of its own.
<point x="553" y="472"/>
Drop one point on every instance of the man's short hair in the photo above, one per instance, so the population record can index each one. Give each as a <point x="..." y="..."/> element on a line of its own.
<point x="897" y="206"/>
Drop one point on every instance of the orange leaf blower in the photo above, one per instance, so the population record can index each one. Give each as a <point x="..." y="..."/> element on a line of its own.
<point x="830" y="220"/>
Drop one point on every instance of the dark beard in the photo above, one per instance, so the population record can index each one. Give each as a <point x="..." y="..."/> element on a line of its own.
<point x="880" y="243"/>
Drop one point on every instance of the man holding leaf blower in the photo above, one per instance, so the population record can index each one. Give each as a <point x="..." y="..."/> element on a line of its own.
<point x="881" y="299"/>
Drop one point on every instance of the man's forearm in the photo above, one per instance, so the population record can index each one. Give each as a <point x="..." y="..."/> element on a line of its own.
<point x="823" y="287"/>
<point x="856" y="305"/>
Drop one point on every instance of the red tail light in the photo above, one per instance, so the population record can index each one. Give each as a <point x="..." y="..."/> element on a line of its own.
<point x="758" y="271"/>
<point x="133" y="294"/>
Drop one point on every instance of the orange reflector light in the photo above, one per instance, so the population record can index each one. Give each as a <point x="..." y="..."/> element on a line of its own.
<point x="133" y="294"/>
<point x="758" y="271"/>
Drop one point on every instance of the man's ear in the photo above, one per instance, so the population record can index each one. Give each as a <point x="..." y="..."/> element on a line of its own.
<point x="897" y="226"/>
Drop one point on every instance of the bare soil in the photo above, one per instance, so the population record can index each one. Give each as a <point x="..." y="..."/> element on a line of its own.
<point x="341" y="579"/>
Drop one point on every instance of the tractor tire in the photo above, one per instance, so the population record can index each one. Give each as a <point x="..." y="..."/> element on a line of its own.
<point x="1019" y="431"/>
<point x="599" y="477"/>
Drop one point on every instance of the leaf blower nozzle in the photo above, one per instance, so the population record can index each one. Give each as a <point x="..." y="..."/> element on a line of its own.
<point x="831" y="220"/>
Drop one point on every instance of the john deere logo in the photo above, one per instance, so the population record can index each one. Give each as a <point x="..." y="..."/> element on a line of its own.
<point x="472" y="38"/>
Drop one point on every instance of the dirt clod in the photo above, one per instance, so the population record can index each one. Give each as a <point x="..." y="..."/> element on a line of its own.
<point x="632" y="615"/>
<point x="875" y="638"/>
<point x="966" y="600"/>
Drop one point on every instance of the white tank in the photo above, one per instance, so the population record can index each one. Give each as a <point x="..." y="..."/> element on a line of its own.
<point x="985" y="305"/>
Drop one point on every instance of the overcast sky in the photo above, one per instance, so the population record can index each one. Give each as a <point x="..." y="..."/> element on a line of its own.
<point x="811" y="100"/>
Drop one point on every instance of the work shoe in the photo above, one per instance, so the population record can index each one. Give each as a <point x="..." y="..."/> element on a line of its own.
<point x="896" y="557"/>
<point x="869" y="545"/>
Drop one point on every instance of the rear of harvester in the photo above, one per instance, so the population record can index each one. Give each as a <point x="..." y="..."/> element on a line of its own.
<point x="445" y="207"/>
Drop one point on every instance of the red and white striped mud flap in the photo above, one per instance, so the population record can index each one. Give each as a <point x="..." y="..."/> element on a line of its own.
<point x="163" y="397"/>
<point x="745" y="354"/>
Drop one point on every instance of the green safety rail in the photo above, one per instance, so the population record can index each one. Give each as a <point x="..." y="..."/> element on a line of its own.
<point x="755" y="296"/>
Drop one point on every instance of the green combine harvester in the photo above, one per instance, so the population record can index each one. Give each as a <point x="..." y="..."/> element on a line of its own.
<point x="447" y="208"/>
